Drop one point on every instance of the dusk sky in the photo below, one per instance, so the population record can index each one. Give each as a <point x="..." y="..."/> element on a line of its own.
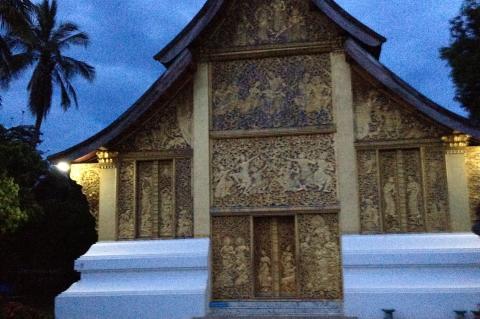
<point x="126" y="34"/>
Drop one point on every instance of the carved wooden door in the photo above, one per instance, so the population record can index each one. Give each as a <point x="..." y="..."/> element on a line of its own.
<point x="275" y="257"/>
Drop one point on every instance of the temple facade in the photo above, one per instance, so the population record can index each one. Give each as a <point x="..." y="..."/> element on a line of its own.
<point x="274" y="130"/>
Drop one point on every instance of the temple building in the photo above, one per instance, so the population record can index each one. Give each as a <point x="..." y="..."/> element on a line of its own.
<point x="274" y="130"/>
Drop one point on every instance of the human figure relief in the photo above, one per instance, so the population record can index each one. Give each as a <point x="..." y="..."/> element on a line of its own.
<point x="227" y="253"/>
<point x="305" y="172"/>
<point x="297" y="29"/>
<point x="225" y="98"/>
<point x="166" y="213"/>
<point x="275" y="93"/>
<point x="288" y="270"/>
<point x="224" y="182"/>
<point x="264" y="274"/>
<point x="241" y="262"/>
<point x="184" y="228"/>
<point x="370" y="215"/>
<point x="146" y="204"/>
<point x="263" y="16"/>
<point x="253" y="100"/>
<point x="243" y="177"/>
<point x="413" y="194"/>
<point x="389" y="194"/>
<point x="363" y="114"/>
<point x="279" y="19"/>
<point x="322" y="177"/>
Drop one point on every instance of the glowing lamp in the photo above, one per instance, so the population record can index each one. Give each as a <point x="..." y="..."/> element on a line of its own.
<point x="63" y="167"/>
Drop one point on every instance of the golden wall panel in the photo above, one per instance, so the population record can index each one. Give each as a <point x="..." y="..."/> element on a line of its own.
<point x="248" y="24"/>
<point x="437" y="209"/>
<point x="183" y="198"/>
<point x="157" y="203"/>
<point x="472" y="161"/>
<point x="88" y="176"/>
<point x="380" y="118"/>
<point x="274" y="172"/>
<point x="232" y="258"/>
<point x="146" y="198"/>
<point x="370" y="216"/>
<point x="281" y="92"/>
<point x="126" y="200"/>
<point x="403" y="190"/>
<point x="320" y="272"/>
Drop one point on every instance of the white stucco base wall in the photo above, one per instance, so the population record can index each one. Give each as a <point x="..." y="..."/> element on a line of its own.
<point x="420" y="276"/>
<point x="139" y="279"/>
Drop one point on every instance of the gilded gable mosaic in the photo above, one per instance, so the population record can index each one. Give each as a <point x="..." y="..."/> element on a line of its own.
<point x="281" y="92"/>
<point x="266" y="22"/>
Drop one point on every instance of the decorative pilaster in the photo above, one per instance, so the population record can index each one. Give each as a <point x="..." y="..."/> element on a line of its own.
<point x="201" y="155"/>
<point x="455" y="146"/>
<point x="107" y="220"/>
<point x="344" y="141"/>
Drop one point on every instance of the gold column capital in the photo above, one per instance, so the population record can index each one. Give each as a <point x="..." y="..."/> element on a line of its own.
<point x="456" y="142"/>
<point x="106" y="158"/>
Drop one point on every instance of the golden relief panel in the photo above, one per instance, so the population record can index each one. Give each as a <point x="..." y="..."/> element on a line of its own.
<point x="378" y="117"/>
<point x="320" y="272"/>
<point x="437" y="216"/>
<point x="472" y="161"/>
<point x="274" y="172"/>
<point x="402" y="190"/>
<point x="282" y="92"/>
<point x="371" y="220"/>
<point x="126" y="200"/>
<point x="256" y="23"/>
<point x="155" y="199"/>
<point x="232" y="255"/>
<point x="274" y="257"/>
<point x="88" y="176"/>
<point x="169" y="129"/>
<point x="146" y="183"/>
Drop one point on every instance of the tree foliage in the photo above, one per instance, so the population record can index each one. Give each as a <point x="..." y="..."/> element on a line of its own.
<point x="463" y="56"/>
<point x="11" y="214"/>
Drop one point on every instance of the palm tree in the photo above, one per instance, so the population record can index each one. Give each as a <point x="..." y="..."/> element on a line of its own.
<point x="46" y="44"/>
<point x="14" y="18"/>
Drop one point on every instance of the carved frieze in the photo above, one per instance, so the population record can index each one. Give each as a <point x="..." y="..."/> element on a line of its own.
<point x="320" y="266"/>
<point x="379" y="118"/>
<point x="232" y="255"/>
<point x="169" y="129"/>
<point x="88" y="176"/>
<point x="472" y="162"/>
<point x="268" y="93"/>
<point x="126" y="200"/>
<point x="248" y="24"/>
<point x="276" y="171"/>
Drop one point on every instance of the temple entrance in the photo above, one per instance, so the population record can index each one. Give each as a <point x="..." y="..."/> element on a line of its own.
<point x="275" y="257"/>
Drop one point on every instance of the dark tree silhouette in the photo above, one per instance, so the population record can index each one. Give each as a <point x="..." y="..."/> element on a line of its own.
<point x="463" y="56"/>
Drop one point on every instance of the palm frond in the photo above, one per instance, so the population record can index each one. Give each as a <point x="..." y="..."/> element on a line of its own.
<point x="72" y="67"/>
